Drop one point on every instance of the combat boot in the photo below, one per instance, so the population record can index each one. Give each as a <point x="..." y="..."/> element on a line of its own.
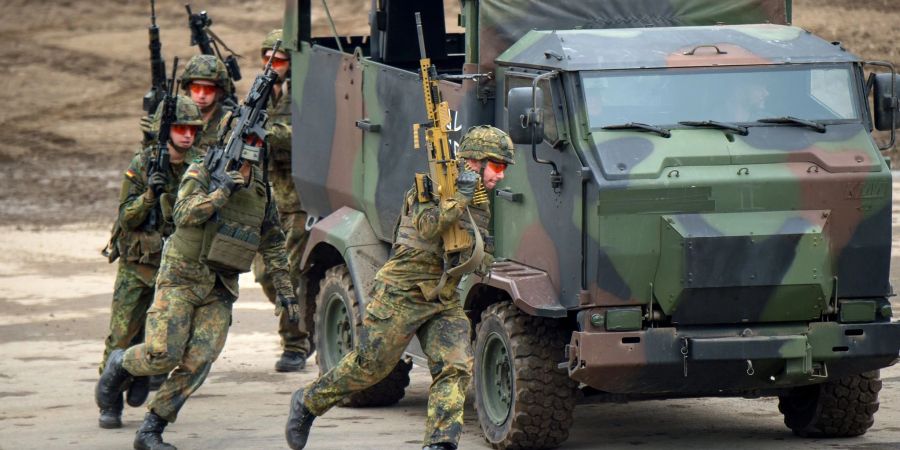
<point x="112" y="381"/>
<point x="149" y="435"/>
<point x="291" y="362"/>
<point x="112" y="417"/>
<point x="299" y="422"/>
<point x="440" y="446"/>
<point x="138" y="391"/>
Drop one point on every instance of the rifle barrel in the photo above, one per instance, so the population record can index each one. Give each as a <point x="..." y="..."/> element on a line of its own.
<point x="421" y="35"/>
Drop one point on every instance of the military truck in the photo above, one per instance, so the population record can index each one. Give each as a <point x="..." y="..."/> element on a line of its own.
<point x="697" y="206"/>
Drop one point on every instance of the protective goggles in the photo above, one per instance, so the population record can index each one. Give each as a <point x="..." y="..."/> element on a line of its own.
<point x="202" y="89"/>
<point x="277" y="63"/>
<point x="497" y="166"/>
<point x="184" y="129"/>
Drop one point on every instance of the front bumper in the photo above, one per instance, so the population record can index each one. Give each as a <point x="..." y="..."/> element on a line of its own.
<point x="721" y="360"/>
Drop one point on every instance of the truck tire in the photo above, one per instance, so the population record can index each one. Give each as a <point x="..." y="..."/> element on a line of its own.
<point x="523" y="400"/>
<point x="338" y="324"/>
<point x="839" y="408"/>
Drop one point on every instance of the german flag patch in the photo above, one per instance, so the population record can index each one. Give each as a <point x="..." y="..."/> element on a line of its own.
<point x="130" y="174"/>
<point x="193" y="173"/>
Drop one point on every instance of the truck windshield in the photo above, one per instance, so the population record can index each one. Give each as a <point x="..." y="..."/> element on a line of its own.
<point x="733" y="95"/>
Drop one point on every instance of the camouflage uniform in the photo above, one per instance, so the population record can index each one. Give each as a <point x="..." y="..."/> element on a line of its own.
<point x="189" y="319"/>
<point x="139" y="248"/>
<point x="294" y="338"/>
<point x="401" y="308"/>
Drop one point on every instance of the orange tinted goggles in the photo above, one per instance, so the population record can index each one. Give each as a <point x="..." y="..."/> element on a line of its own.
<point x="202" y="89"/>
<point x="496" y="166"/>
<point x="277" y="63"/>
<point x="184" y="129"/>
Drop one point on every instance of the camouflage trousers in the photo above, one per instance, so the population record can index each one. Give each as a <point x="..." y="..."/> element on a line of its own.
<point x="294" y="337"/>
<point x="131" y="298"/>
<point x="393" y="317"/>
<point x="184" y="333"/>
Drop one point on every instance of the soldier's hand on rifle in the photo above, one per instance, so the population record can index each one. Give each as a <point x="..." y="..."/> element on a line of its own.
<point x="147" y="128"/>
<point x="288" y="304"/>
<point x="466" y="182"/>
<point x="157" y="183"/>
<point x="233" y="181"/>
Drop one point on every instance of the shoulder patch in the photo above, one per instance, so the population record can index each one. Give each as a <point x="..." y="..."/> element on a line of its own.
<point x="130" y="174"/>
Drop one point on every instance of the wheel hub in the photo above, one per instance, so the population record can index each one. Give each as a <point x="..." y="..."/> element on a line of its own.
<point x="497" y="380"/>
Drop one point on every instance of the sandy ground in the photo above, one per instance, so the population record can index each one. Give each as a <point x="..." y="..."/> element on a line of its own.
<point x="73" y="75"/>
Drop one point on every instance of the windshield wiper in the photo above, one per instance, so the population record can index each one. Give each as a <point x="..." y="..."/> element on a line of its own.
<point x="715" y="124"/>
<point x="640" y="127"/>
<point x="790" y="120"/>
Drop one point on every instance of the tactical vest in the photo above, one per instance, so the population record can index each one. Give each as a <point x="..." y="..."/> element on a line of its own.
<point x="228" y="241"/>
<point x="408" y="236"/>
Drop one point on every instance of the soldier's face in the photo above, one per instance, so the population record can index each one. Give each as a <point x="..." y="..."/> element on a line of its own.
<point x="182" y="136"/>
<point x="204" y="93"/>
<point x="492" y="174"/>
<point x="281" y="63"/>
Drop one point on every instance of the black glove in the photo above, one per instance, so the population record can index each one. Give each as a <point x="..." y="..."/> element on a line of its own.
<point x="233" y="181"/>
<point x="289" y="305"/>
<point x="465" y="183"/>
<point x="157" y="183"/>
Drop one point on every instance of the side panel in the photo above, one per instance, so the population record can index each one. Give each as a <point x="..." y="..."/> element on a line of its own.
<point x="327" y="145"/>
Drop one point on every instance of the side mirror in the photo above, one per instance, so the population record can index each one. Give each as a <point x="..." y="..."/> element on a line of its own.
<point x="886" y="102"/>
<point x="525" y="117"/>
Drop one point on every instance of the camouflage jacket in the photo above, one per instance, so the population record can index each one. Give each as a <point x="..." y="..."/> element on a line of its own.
<point x="410" y="267"/>
<point x="210" y="133"/>
<point x="194" y="208"/>
<point x="279" y="142"/>
<point x="136" y="244"/>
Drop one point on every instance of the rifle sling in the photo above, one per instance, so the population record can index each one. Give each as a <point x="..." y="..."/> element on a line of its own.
<point x="468" y="266"/>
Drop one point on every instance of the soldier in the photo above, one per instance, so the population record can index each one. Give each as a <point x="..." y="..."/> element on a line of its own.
<point x="205" y="79"/>
<point x="217" y="235"/>
<point x="409" y="298"/>
<point x="294" y="339"/>
<point x="138" y="243"/>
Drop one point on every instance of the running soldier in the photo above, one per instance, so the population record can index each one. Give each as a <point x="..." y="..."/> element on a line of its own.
<point x="413" y="297"/>
<point x="138" y="244"/>
<point x="218" y="232"/>
<point x="294" y="339"/>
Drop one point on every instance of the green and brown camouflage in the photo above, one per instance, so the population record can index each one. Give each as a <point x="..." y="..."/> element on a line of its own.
<point x="697" y="238"/>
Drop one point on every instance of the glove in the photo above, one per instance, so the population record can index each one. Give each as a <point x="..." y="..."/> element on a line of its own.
<point x="288" y="304"/>
<point x="465" y="183"/>
<point x="233" y="181"/>
<point x="157" y="183"/>
<point x="147" y="129"/>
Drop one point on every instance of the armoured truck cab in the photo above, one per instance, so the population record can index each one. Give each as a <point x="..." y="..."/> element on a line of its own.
<point x="697" y="208"/>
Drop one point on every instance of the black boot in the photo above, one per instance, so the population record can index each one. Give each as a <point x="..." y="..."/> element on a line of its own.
<point x="112" y="381"/>
<point x="291" y="362"/>
<point x="440" y="446"/>
<point x="299" y="421"/>
<point x="157" y="380"/>
<point x="138" y="391"/>
<point x="149" y="435"/>
<point x="112" y="417"/>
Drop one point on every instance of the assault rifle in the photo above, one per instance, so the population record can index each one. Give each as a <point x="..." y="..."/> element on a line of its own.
<point x="200" y="36"/>
<point x="443" y="167"/>
<point x="239" y="142"/>
<point x="157" y="66"/>
<point x="159" y="161"/>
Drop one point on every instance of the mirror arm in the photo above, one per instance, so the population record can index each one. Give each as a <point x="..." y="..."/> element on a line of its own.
<point x="533" y="119"/>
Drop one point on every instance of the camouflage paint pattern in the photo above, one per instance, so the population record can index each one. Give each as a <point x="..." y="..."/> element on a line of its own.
<point x="139" y="249"/>
<point x="640" y="220"/>
<point x="393" y="318"/>
<point x="209" y="135"/>
<point x="184" y="335"/>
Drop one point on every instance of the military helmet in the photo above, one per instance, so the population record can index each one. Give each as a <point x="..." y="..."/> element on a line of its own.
<point x="487" y="142"/>
<point x="269" y="41"/>
<point x="186" y="113"/>
<point x="206" y="67"/>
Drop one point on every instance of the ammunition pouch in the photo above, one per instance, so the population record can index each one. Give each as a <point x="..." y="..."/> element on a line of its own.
<point x="230" y="246"/>
<point x="142" y="247"/>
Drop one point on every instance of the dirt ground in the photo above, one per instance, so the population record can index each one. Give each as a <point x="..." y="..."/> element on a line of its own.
<point x="71" y="81"/>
